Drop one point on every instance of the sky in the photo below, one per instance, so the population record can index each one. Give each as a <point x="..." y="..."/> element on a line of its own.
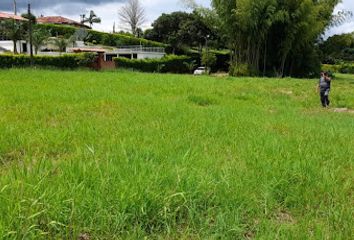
<point x="108" y="11"/>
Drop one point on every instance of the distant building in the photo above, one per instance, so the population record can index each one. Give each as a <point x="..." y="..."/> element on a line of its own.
<point x="6" y="44"/>
<point x="58" y="20"/>
<point x="5" y="16"/>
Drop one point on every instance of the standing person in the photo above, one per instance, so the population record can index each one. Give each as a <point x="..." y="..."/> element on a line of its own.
<point x="324" y="87"/>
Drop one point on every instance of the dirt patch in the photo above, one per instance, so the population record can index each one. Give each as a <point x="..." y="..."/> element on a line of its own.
<point x="284" y="217"/>
<point x="343" y="110"/>
<point x="286" y="92"/>
<point x="220" y="74"/>
<point x="84" y="236"/>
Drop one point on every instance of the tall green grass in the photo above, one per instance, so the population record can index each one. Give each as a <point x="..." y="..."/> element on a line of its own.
<point x="123" y="155"/>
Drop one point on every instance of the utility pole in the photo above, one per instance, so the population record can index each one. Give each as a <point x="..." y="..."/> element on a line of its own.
<point x="15" y="7"/>
<point x="114" y="27"/>
<point x="30" y="32"/>
<point x="207" y="53"/>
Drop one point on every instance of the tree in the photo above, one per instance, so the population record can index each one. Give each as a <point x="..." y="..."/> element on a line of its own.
<point x="132" y="14"/>
<point x="62" y="43"/>
<point x="191" y="65"/>
<point x="208" y="59"/>
<point x="275" y="37"/>
<point x="337" y="48"/>
<point x="39" y="38"/>
<point x="13" y="30"/>
<point x="91" y="19"/>
<point x="180" y="29"/>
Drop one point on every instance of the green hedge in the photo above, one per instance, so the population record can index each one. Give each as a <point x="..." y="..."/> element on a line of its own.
<point x="339" y="68"/>
<point x="64" y="61"/>
<point x="169" y="63"/>
<point x="99" y="37"/>
<point x="119" y="40"/>
<point x="57" y="30"/>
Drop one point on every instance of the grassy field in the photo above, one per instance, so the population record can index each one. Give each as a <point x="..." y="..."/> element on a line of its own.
<point x="123" y="155"/>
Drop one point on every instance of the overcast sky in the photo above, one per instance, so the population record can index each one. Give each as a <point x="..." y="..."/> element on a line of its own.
<point x="107" y="10"/>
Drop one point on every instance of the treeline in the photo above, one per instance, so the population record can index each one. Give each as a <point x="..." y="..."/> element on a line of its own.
<point x="275" y="37"/>
<point x="338" y="49"/>
<point x="182" y="31"/>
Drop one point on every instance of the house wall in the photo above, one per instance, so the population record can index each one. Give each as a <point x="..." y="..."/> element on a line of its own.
<point x="150" y="55"/>
<point x="139" y="55"/>
<point x="8" y="45"/>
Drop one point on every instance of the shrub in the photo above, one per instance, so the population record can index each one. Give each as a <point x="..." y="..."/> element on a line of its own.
<point x="57" y="30"/>
<point x="169" y="63"/>
<point x="330" y="68"/>
<point x="208" y="59"/>
<point x="339" y="68"/>
<point x="346" y="68"/>
<point x="119" y="39"/>
<point x="238" y="69"/>
<point x="64" y="61"/>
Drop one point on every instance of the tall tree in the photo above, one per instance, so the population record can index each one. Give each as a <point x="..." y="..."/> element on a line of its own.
<point x="275" y="36"/>
<point x="180" y="29"/>
<point x="133" y="15"/>
<point x="91" y="19"/>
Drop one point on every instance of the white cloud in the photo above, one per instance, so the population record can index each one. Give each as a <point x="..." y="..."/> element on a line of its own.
<point x="108" y="10"/>
<point x="348" y="26"/>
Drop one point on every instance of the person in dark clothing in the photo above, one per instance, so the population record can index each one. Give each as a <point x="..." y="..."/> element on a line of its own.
<point x="324" y="87"/>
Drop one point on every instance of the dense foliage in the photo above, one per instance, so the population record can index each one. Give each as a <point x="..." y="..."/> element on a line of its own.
<point x="181" y="29"/>
<point x="339" y="68"/>
<point x="170" y="63"/>
<point x="275" y="37"/>
<point x="222" y="59"/>
<point x="64" y="61"/>
<point x="99" y="37"/>
<point x="338" y="48"/>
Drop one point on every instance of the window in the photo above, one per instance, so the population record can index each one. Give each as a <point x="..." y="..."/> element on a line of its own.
<point x="24" y="47"/>
<point x="109" y="57"/>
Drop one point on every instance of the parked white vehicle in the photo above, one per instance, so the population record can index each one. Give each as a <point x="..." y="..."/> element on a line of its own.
<point x="201" y="71"/>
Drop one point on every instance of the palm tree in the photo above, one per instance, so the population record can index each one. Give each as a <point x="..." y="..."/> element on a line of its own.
<point x="91" y="19"/>
<point x="39" y="38"/>
<point x="62" y="43"/>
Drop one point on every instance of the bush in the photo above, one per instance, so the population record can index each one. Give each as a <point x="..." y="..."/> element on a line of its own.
<point x="339" y="68"/>
<point x="57" y="30"/>
<point x="64" y="61"/>
<point x="169" y="63"/>
<point x="208" y="59"/>
<point x="330" y="68"/>
<point x="346" y="68"/>
<point x="119" y="40"/>
<point x="241" y="70"/>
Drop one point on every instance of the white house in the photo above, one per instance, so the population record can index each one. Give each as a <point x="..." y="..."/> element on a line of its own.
<point x="135" y="52"/>
<point x="7" y="45"/>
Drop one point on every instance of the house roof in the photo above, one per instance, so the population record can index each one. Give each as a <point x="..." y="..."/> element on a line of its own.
<point x="4" y="15"/>
<point x="60" y="20"/>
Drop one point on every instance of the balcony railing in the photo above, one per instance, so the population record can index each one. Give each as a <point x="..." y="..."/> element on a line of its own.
<point x="140" y="49"/>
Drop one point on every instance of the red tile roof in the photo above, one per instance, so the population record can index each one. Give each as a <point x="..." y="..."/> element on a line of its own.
<point x="4" y="15"/>
<point x="60" y="20"/>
